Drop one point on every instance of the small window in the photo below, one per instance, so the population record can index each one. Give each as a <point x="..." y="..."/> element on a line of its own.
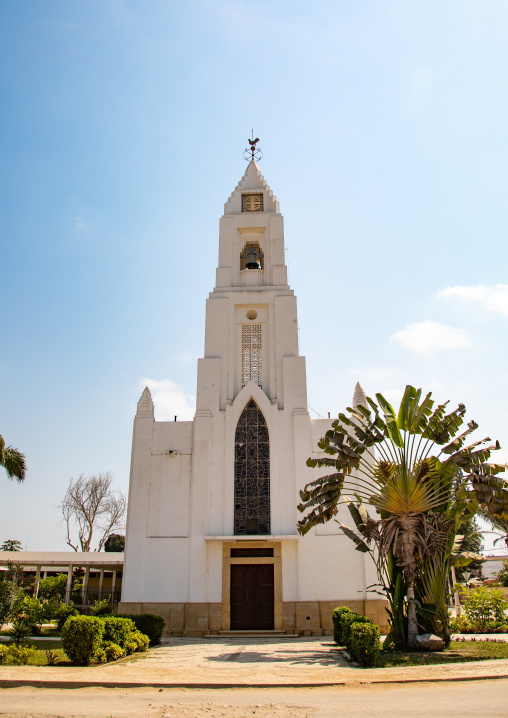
<point x="252" y="202"/>
<point x="252" y="553"/>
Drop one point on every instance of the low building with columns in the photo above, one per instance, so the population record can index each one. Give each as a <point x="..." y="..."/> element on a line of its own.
<point x="211" y="541"/>
<point x="102" y="576"/>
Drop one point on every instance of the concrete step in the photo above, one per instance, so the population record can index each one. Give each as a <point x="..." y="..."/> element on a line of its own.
<point x="252" y="634"/>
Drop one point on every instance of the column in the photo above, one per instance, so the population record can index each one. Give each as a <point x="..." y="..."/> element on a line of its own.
<point x="101" y="583"/>
<point x="37" y="579"/>
<point x="113" y="586"/>
<point x="69" y="584"/>
<point x="85" y="586"/>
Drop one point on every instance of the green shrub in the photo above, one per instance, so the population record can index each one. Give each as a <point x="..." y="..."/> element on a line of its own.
<point x="63" y="613"/>
<point x="502" y="575"/>
<point x="460" y="625"/>
<point x="53" y="587"/>
<point x="82" y="638"/>
<point x="148" y="623"/>
<point x="347" y="621"/>
<point x="19" y="631"/>
<point x="102" y="608"/>
<point x="117" y="629"/>
<point x="365" y="642"/>
<point x="142" y="642"/>
<point x="101" y="656"/>
<point x="130" y="647"/>
<point x="113" y="651"/>
<point x="484" y="608"/>
<point x="337" y="615"/>
<point x="3" y="653"/>
<point x="30" y="610"/>
<point x="20" y="655"/>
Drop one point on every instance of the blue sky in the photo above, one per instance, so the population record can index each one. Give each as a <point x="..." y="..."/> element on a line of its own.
<point x="122" y="127"/>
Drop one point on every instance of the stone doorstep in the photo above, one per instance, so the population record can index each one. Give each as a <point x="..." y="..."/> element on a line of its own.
<point x="251" y="634"/>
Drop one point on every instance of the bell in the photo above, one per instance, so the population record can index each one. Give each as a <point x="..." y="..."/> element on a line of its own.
<point x="252" y="259"/>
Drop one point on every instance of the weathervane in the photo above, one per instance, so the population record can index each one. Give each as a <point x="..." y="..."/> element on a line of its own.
<point x="252" y="152"/>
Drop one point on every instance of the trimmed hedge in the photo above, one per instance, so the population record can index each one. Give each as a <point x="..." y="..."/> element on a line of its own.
<point x="150" y="624"/>
<point x="113" y="651"/>
<point x="358" y="634"/>
<point x="337" y="616"/>
<point x="365" y="642"/>
<point x="347" y="622"/>
<point x="96" y="639"/>
<point x="141" y="640"/>
<point x="64" y="612"/>
<point x="82" y="639"/>
<point x="117" y="630"/>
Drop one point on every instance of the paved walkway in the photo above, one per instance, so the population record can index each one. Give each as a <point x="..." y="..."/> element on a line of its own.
<point x="221" y="662"/>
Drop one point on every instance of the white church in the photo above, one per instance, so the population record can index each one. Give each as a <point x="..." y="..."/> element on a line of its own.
<point x="211" y="541"/>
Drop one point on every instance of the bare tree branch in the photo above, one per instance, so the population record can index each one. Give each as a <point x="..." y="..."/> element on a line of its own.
<point x="94" y="508"/>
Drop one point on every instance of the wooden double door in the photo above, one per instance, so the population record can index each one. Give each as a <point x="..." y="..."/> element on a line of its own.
<point x="252" y="597"/>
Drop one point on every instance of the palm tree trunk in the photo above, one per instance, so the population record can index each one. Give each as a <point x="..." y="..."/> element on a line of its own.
<point x="412" y="625"/>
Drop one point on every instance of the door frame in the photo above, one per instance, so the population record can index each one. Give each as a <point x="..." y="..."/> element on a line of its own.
<point x="275" y="560"/>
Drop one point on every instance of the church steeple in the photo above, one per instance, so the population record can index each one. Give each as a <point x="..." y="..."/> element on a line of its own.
<point x="251" y="320"/>
<point x="251" y="237"/>
<point x="251" y="183"/>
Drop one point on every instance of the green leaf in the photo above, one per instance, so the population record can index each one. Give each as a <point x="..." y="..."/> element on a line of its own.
<point x="425" y="610"/>
<point x="406" y="409"/>
<point x="359" y="515"/>
<point x="465" y="558"/>
<point x="360" y="544"/>
<point x="391" y="421"/>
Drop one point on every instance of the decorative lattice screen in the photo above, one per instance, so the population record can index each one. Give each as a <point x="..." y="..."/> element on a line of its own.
<point x="252" y="354"/>
<point x="252" y="472"/>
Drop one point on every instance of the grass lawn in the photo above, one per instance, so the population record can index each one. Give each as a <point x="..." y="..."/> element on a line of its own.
<point x="40" y="656"/>
<point x="458" y="652"/>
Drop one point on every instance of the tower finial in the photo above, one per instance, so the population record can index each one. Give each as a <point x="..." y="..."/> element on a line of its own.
<point x="252" y="152"/>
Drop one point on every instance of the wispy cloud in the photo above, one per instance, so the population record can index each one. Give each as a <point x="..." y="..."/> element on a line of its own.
<point x="429" y="337"/>
<point x="493" y="299"/>
<point x="79" y="223"/>
<point x="169" y="399"/>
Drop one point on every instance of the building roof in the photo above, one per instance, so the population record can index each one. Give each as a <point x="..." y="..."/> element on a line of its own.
<point x="49" y="559"/>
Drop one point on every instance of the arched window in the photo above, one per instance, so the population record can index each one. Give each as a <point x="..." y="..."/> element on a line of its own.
<point x="252" y="473"/>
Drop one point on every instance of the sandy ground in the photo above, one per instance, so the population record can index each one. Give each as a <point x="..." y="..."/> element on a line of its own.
<point x="268" y="678"/>
<point x="475" y="698"/>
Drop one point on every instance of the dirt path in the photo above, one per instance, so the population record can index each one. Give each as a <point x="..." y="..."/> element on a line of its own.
<point x="454" y="700"/>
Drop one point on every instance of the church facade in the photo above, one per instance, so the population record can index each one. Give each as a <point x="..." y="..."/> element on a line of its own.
<point x="211" y="539"/>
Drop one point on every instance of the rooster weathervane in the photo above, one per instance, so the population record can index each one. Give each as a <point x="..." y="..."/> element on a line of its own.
<point x="252" y="152"/>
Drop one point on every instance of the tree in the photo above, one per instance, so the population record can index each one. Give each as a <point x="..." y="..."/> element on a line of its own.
<point x="13" y="461"/>
<point x="53" y="587"/>
<point x="94" y="508"/>
<point x="10" y="545"/>
<point x="115" y="542"/>
<point x="423" y="483"/>
<point x="12" y="581"/>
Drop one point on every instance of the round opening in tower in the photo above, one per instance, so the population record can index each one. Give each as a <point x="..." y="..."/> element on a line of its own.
<point x="252" y="314"/>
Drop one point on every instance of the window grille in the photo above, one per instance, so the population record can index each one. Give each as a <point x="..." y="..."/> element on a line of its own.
<point x="252" y="202"/>
<point x="252" y="354"/>
<point x="252" y="472"/>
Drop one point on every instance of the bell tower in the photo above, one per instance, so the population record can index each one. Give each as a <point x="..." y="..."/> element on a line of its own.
<point x="251" y="320"/>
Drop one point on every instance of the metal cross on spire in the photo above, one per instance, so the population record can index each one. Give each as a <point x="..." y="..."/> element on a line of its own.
<point x="252" y="152"/>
